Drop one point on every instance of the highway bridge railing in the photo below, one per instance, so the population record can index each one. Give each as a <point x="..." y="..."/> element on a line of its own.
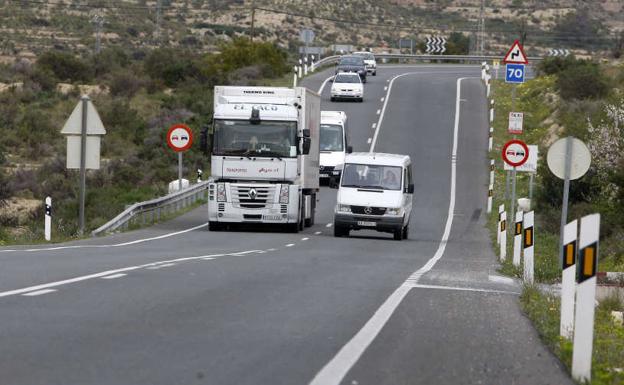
<point x="151" y="211"/>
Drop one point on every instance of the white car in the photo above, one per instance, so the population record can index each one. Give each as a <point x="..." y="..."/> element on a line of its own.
<point x="369" y="60"/>
<point x="347" y="85"/>
<point x="375" y="193"/>
<point x="334" y="145"/>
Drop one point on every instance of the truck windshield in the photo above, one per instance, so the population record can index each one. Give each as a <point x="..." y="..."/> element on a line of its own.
<point x="268" y="139"/>
<point x="331" y="137"/>
<point x="371" y="176"/>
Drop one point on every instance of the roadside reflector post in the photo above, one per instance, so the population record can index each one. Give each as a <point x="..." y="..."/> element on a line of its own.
<point x="305" y="65"/>
<point x="517" y="250"/>
<point x="295" y="76"/>
<point x="492" y="167"/>
<point x="489" y="198"/>
<point x="503" y="236"/>
<point x="300" y="69"/>
<point x="528" y="241"/>
<point x="48" y="219"/>
<point x="488" y="87"/>
<point x="501" y="209"/>
<point x="568" y="283"/>
<point x="490" y="139"/>
<point x="491" y="114"/>
<point x="585" y="297"/>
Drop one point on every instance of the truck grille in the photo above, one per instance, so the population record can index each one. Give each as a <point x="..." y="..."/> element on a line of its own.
<point x="363" y="210"/>
<point x="252" y="197"/>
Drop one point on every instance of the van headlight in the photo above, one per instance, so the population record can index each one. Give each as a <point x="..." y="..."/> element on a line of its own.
<point x="221" y="197"/>
<point x="284" y="194"/>
<point x="344" y="208"/>
<point x="393" y="211"/>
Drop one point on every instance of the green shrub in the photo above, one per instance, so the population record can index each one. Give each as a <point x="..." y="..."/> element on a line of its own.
<point x="64" y="66"/>
<point x="583" y="80"/>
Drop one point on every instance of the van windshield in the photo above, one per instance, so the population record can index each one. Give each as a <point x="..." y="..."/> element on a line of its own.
<point x="331" y="137"/>
<point x="371" y="176"/>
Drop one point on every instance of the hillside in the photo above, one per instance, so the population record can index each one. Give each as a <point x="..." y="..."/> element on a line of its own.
<point x="28" y="27"/>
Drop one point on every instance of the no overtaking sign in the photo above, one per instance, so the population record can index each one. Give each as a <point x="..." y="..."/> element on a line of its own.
<point x="179" y="137"/>
<point x="515" y="153"/>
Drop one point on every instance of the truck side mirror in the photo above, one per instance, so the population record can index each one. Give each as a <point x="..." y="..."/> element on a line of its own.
<point x="306" y="143"/>
<point x="349" y="149"/>
<point x="306" y="132"/>
<point x="410" y="188"/>
<point x="205" y="140"/>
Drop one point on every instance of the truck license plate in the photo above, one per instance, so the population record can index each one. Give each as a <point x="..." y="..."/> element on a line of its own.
<point x="324" y="175"/>
<point x="272" y="217"/>
<point x="366" y="223"/>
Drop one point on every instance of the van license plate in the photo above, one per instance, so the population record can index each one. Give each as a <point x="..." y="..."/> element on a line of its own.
<point x="324" y="175"/>
<point x="366" y="223"/>
<point x="272" y="217"/>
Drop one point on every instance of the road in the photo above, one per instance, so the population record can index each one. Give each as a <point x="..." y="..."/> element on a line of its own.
<point x="176" y="304"/>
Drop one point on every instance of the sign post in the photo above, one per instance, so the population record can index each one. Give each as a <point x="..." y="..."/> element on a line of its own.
<point x="566" y="325"/>
<point x="568" y="159"/>
<point x="83" y="129"/>
<point x="585" y="298"/>
<point x="179" y="139"/>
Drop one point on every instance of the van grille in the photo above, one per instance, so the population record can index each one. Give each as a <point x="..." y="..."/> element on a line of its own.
<point x="253" y="197"/>
<point x="363" y="209"/>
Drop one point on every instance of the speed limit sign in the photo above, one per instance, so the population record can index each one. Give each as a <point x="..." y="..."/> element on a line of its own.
<point x="515" y="153"/>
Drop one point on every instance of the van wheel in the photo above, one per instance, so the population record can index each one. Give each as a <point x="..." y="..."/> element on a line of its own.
<point x="398" y="234"/>
<point x="360" y="100"/>
<point x="340" y="231"/>
<point x="375" y="73"/>
<point x="215" y="226"/>
<point x="405" y="231"/>
<point x="332" y="99"/>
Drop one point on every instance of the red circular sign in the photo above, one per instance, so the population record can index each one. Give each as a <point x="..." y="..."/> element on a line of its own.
<point x="179" y="137"/>
<point x="515" y="153"/>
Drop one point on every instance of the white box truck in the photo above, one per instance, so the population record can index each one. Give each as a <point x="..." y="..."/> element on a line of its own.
<point x="265" y="156"/>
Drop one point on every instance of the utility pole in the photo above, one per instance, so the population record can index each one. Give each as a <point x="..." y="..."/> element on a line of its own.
<point x="158" y="20"/>
<point x="253" y="20"/>
<point x="98" y="20"/>
<point x="481" y="29"/>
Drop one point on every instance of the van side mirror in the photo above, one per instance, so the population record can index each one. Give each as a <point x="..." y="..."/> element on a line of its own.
<point x="349" y="149"/>
<point x="410" y="188"/>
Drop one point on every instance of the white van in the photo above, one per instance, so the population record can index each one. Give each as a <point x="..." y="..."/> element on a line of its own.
<point x="334" y="145"/>
<point x="375" y="193"/>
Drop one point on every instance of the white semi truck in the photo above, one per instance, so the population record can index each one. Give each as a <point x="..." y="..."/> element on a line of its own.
<point x="265" y="157"/>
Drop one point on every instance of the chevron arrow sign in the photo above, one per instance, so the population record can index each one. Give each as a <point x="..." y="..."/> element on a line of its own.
<point x="435" y="45"/>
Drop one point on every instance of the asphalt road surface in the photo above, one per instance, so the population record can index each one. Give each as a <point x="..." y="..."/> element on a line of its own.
<point x="176" y="304"/>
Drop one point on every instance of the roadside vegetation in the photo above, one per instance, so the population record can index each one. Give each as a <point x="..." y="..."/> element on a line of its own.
<point x="583" y="99"/>
<point x="138" y="95"/>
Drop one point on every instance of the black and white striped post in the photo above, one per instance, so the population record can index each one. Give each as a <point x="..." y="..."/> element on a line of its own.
<point x="528" y="246"/>
<point x="490" y="197"/>
<point x="491" y="139"/>
<point x="502" y="229"/>
<point x="492" y="168"/>
<point x="501" y="209"/>
<point x="48" y="219"/>
<point x="199" y="175"/>
<point x="295" y="76"/>
<point x="568" y="283"/>
<point x="517" y="249"/>
<point x="491" y="111"/>
<point x="300" y="68"/>
<point x="585" y="298"/>
<point x="305" y="65"/>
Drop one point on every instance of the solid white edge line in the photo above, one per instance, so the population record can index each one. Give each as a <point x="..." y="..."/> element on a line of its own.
<point x="469" y="289"/>
<point x="39" y="292"/>
<point x="329" y="225"/>
<point x="320" y="90"/>
<point x="500" y="279"/>
<point x="118" y="275"/>
<point x="335" y="370"/>
<point x="290" y="245"/>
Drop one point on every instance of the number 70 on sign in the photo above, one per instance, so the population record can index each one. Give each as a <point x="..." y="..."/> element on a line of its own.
<point x="514" y="73"/>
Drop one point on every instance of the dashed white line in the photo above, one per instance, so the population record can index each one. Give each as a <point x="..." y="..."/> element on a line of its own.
<point x="378" y="112"/>
<point x="335" y="370"/>
<point x="271" y="249"/>
<point x="318" y="233"/>
<point x="386" y="88"/>
<point x="162" y="265"/>
<point x="119" y="275"/>
<point x="369" y="140"/>
<point x="329" y="225"/>
<point x="305" y="239"/>
<point x="382" y="98"/>
<point x="290" y="245"/>
<point x="39" y="292"/>
<point x="374" y="125"/>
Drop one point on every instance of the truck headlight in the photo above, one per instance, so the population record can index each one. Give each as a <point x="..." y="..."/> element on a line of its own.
<point x="284" y="194"/>
<point x="344" y="208"/>
<point x="221" y="197"/>
<point x="393" y="211"/>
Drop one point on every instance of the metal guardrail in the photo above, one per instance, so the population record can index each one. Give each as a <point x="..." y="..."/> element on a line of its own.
<point x="152" y="210"/>
<point x="470" y="58"/>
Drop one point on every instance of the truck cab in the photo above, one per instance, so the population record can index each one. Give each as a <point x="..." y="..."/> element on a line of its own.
<point x="334" y="145"/>
<point x="375" y="193"/>
<point x="265" y="157"/>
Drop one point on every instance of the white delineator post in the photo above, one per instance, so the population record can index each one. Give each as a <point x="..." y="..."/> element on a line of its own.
<point x="300" y="69"/>
<point x="48" y="219"/>
<point x="491" y="139"/>
<point x="568" y="283"/>
<point x="295" y="77"/>
<point x="585" y="297"/>
<point x="529" y="239"/>
<point x="489" y="198"/>
<point x="305" y="65"/>
<point x="501" y="208"/>
<point x="491" y="114"/>
<point x="492" y="171"/>
<point x="503" y="236"/>
<point x="517" y="249"/>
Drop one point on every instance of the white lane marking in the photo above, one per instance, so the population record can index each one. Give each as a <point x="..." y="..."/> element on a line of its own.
<point x="290" y="245"/>
<point x="385" y="88"/>
<point x="382" y="99"/>
<point x="160" y="266"/>
<point x="457" y="288"/>
<point x="106" y="246"/>
<point x="102" y="274"/>
<point x="329" y="225"/>
<point x="335" y="370"/>
<point x="271" y="249"/>
<point x="39" y="292"/>
<point x="499" y="279"/>
<point x="320" y="90"/>
<point x="119" y="275"/>
<point x="369" y="140"/>
<point x="374" y="125"/>
<point x="304" y="239"/>
<point x="318" y="233"/>
<point x="378" y="112"/>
